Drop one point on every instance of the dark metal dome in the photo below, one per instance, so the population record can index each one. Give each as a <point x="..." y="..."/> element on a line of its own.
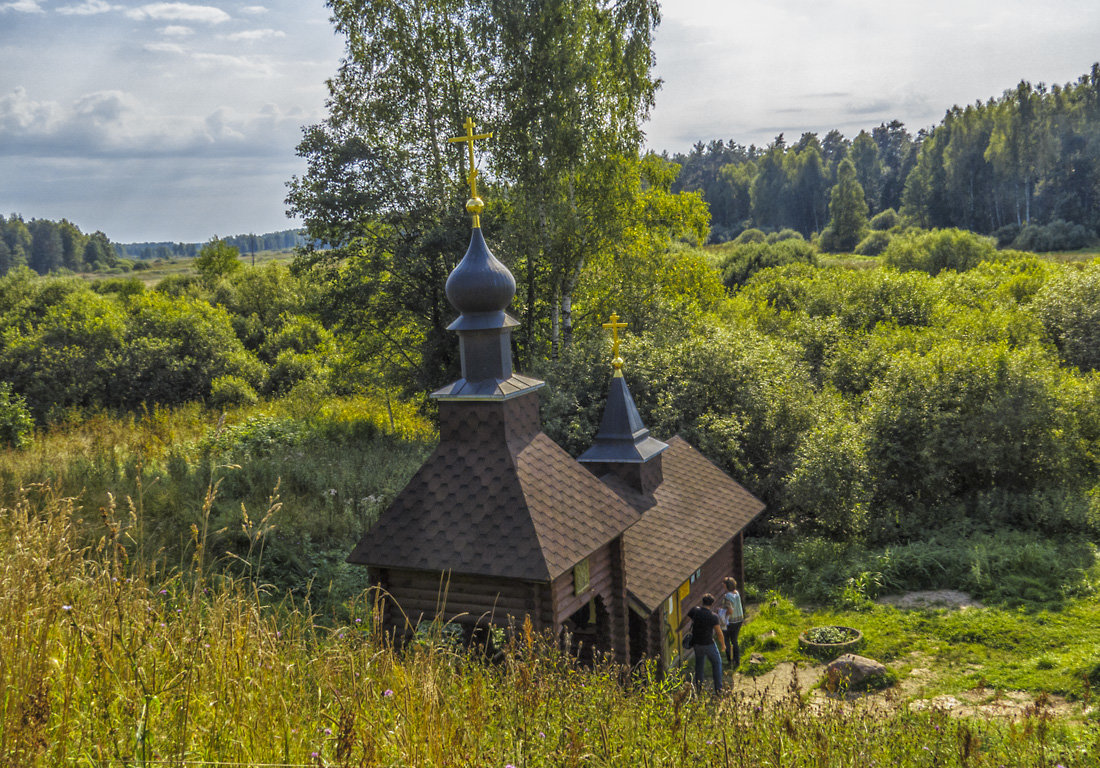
<point x="480" y="284"/>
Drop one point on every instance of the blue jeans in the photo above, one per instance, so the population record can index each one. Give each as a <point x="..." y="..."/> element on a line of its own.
<point x="703" y="652"/>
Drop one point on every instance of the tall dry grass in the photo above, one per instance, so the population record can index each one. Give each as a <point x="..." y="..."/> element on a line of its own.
<point x="108" y="658"/>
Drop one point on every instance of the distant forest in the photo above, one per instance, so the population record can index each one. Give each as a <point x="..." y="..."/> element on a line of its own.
<point x="50" y="246"/>
<point x="1030" y="156"/>
<point x="272" y="241"/>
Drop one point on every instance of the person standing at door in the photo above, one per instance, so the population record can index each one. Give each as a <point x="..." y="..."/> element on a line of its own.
<point x="707" y="637"/>
<point x="731" y="615"/>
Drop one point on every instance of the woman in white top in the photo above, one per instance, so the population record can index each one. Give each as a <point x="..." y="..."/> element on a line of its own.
<point x="731" y="615"/>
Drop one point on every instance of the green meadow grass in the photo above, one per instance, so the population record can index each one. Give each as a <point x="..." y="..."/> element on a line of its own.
<point x="112" y="660"/>
<point x="173" y="592"/>
<point x="1008" y="649"/>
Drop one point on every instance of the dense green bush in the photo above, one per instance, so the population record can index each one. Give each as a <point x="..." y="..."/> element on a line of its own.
<point x="1069" y="307"/>
<point x="784" y="234"/>
<point x="874" y="244"/>
<point x="69" y="344"/>
<point x="752" y="235"/>
<point x="174" y="349"/>
<point x="1006" y="235"/>
<point x="227" y="391"/>
<point x="1058" y="235"/>
<point x="16" y="423"/>
<point x="884" y="220"/>
<point x="744" y="261"/>
<point x="939" y="249"/>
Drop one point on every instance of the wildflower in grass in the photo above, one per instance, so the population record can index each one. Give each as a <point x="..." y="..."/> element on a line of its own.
<point x="328" y="731"/>
<point x="164" y="591"/>
<point x="66" y="607"/>
<point x="388" y="692"/>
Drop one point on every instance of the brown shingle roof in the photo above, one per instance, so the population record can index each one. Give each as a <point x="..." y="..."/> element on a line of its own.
<point x="694" y="511"/>
<point x="519" y="508"/>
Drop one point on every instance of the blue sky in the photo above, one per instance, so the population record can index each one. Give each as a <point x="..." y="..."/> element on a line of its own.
<point x="178" y="120"/>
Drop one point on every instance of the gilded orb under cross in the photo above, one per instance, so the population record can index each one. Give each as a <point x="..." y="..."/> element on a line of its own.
<point x="475" y="205"/>
<point x="614" y="325"/>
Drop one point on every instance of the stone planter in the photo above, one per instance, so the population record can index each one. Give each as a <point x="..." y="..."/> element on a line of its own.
<point x="849" y="639"/>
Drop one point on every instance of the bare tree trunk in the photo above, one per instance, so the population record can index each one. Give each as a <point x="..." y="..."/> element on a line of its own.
<point x="555" y="319"/>
<point x="1027" y="200"/>
<point x="567" y="303"/>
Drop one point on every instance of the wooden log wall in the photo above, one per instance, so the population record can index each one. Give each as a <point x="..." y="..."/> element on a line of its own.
<point x="605" y="569"/>
<point x="424" y="596"/>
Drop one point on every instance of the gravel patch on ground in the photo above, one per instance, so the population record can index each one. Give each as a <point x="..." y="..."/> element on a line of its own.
<point x="932" y="598"/>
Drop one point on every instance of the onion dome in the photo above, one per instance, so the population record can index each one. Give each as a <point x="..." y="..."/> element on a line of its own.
<point x="481" y="288"/>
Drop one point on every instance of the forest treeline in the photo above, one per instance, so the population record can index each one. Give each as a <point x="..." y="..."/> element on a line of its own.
<point x="47" y="246"/>
<point x="283" y="240"/>
<point x="1029" y="156"/>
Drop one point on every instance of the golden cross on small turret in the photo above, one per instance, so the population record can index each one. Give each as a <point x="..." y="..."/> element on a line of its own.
<point x="474" y="205"/>
<point x="614" y="326"/>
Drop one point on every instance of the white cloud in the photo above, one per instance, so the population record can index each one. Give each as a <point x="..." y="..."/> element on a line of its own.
<point x="165" y="48"/>
<point x="179" y="12"/>
<point x="243" y="64"/>
<point x="104" y="107"/>
<point x="175" y="30"/>
<point x="88" y="8"/>
<point x="251" y="35"/>
<point x="115" y="124"/>
<point x="254" y="9"/>
<point x="22" y="6"/>
<point x="19" y="115"/>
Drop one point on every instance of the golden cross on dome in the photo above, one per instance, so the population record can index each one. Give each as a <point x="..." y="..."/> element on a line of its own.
<point x="474" y="205"/>
<point x="614" y="325"/>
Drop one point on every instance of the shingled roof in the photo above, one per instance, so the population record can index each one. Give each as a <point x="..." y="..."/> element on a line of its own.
<point x="695" y="510"/>
<point x="496" y="498"/>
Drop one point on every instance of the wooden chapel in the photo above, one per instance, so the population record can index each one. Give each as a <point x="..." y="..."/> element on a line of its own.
<point x="501" y="524"/>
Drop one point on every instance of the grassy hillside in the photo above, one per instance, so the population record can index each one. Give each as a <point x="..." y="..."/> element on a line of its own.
<point x="111" y="659"/>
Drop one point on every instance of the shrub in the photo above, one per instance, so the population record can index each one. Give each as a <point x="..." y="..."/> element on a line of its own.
<point x="226" y="391"/>
<point x="175" y="348"/>
<point x="746" y="260"/>
<point x="1058" y="235"/>
<point x="290" y="368"/>
<point x="885" y="220"/>
<point x="750" y="236"/>
<point x="1069" y="307"/>
<point x="784" y="234"/>
<point x="874" y="244"/>
<point x="16" y="423"/>
<point x="939" y="249"/>
<point x="1006" y="235"/>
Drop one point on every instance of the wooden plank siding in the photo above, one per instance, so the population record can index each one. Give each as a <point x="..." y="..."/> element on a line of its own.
<point x="605" y="568"/>
<point x="599" y="583"/>
<point x="417" y="596"/>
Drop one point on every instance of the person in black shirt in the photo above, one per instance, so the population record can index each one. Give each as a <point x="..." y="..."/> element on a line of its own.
<point x="707" y="637"/>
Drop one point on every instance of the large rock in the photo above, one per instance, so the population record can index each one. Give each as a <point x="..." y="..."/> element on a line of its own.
<point x="855" y="673"/>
